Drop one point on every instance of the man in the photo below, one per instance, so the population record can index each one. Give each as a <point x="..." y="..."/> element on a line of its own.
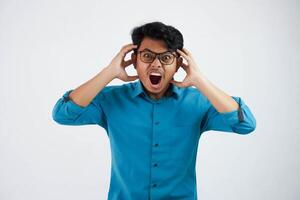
<point x="154" y="124"/>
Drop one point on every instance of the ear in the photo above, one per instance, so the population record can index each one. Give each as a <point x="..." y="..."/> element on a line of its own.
<point x="133" y="58"/>
<point x="179" y="63"/>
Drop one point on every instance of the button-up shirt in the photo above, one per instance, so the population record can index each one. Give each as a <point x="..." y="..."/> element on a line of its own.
<point x="153" y="142"/>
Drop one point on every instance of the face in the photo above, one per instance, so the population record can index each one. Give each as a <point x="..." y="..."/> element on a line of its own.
<point x="155" y="76"/>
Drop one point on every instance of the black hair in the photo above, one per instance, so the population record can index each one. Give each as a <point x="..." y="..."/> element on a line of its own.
<point x="160" y="31"/>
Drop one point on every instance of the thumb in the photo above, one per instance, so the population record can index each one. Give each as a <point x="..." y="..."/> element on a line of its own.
<point x="177" y="83"/>
<point x="132" y="78"/>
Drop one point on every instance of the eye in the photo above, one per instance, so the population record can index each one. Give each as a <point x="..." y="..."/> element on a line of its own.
<point x="166" y="57"/>
<point x="147" y="55"/>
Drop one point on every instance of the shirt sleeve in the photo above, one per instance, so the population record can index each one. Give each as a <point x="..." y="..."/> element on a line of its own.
<point x="67" y="112"/>
<point x="240" y="121"/>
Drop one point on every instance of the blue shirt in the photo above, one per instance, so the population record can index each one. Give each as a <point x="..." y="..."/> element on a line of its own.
<point x="153" y="142"/>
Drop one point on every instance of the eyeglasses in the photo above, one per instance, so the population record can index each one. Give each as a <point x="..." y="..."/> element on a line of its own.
<point x="165" y="58"/>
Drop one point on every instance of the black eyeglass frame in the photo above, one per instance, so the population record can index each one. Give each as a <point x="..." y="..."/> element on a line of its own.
<point x="159" y="56"/>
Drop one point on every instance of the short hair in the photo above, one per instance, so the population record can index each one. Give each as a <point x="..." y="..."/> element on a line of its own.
<point x="160" y="31"/>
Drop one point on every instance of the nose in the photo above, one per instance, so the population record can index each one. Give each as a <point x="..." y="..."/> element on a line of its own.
<point x="156" y="62"/>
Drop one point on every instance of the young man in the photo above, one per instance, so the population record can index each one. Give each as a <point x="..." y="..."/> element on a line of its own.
<point x="154" y="124"/>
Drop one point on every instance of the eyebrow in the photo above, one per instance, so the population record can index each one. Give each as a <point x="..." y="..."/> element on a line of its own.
<point x="168" y="51"/>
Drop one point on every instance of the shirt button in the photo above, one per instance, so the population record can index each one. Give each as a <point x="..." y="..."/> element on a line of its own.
<point x="154" y="185"/>
<point x="155" y="165"/>
<point x="156" y="123"/>
<point x="156" y="145"/>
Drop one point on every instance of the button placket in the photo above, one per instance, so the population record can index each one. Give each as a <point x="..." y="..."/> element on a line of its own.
<point x="155" y="155"/>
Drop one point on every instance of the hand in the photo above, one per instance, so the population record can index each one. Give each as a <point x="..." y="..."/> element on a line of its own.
<point x="118" y="64"/>
<point x="191" y="69"/>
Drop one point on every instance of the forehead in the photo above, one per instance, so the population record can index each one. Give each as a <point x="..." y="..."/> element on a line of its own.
<point x="157" y="46"/>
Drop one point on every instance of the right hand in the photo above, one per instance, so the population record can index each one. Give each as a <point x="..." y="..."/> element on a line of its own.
<point x="118" y="64"/>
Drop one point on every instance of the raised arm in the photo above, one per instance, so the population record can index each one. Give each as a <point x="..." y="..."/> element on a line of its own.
<point x="83" y="105"/>
<point x="224" y="113"/>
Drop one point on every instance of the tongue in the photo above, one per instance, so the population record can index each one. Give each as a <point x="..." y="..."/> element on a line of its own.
<point x="155" y="79"/>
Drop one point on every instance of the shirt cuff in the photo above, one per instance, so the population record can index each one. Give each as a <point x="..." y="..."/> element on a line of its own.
<point x="72" y="106"/>
<point x="235" y="116"/>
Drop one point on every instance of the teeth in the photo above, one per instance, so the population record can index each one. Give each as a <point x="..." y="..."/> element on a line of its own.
<point x="156" y="74"/>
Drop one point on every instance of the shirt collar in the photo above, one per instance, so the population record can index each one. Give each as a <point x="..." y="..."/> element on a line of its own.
<point x="139" y="89"/>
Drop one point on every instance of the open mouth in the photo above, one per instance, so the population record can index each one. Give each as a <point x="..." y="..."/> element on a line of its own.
<point x="155" y="79"/>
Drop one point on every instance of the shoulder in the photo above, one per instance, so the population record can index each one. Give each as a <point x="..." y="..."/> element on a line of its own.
<point x="192" y="96"/>
<point x="113" y="90"/>
<point x="191" y="92"/>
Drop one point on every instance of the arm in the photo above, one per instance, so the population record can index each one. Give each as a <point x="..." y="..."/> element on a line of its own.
<point x="221" y="101"/>
<point x="85" y="93"/>
<point x="240" y="121"/>
<point x="83" y="105"/>
<point x="223" y="112"/>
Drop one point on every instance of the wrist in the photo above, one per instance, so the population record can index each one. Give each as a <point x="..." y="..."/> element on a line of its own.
<point x="110" y="72"/>
<point x="200" y="81"/>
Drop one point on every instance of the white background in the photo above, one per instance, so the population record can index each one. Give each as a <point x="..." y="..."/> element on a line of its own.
<point x="247" y="48"/>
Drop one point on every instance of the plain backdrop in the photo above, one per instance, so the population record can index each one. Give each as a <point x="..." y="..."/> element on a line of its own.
<point x="246" y="48"/>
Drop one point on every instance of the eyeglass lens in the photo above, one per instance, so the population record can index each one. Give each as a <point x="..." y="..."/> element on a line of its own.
<point x="148" y="57"/>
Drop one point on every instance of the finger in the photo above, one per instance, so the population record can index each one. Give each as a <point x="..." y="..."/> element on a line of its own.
<point x="187" y="52"/>
<point x="185" y="66"/>
<point x="127" y="63"/>
<point x="128" y="47"/>
<point x="183" y="54"/>
<point x="132" y="78"/>
<point x="177" y="83"/>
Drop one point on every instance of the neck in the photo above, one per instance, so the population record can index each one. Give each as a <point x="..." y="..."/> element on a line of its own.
<point x="165" y="92"/>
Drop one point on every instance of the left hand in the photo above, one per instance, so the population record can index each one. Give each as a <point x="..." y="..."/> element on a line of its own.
<point x="191" y="69"/>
